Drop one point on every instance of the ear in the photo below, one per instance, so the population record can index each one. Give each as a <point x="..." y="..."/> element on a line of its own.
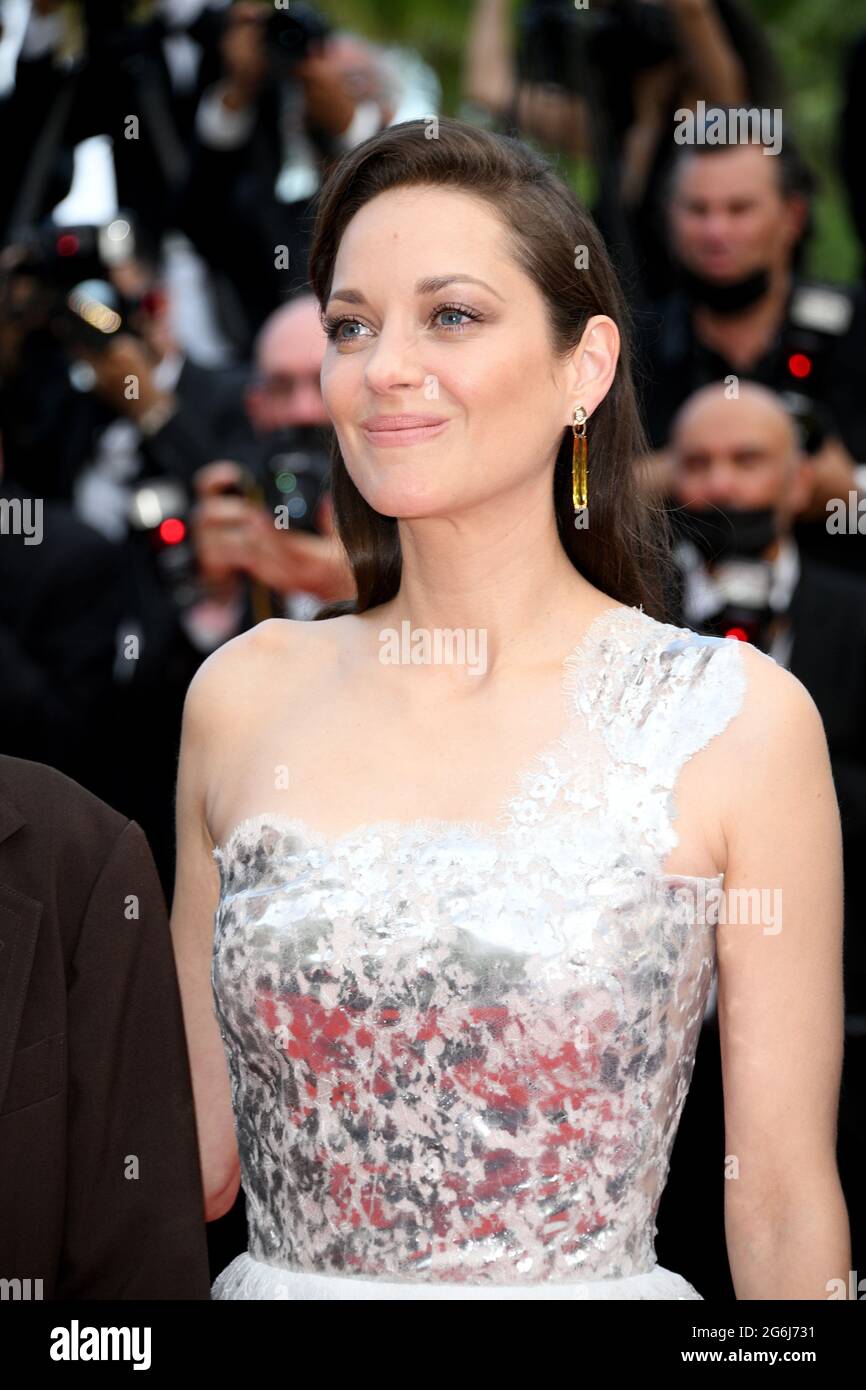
<point x="593" y="365"/>
<point x="802" y="485"/>
<point x="796" y="215"/>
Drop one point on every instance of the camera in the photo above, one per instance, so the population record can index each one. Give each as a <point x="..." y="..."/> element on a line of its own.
<point x="57" y="277"/>
<point x="290" y="38"/>
<point x="159" y="525"/>
<point x="562" y="46"/>
<point x="818" y="316"/>
<point x="293" y="469"/>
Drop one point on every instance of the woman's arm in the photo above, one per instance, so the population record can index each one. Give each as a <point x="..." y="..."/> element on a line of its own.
<point x="196" y="892"/>
<point x="780" y="996"/>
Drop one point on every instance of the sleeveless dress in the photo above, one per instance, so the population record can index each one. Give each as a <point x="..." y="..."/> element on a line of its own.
<point x="459" y="1052"/>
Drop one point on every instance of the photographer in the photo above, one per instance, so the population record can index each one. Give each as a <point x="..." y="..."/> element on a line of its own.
<point x="292" y="96"/>
<point x="737" y="218"/>
<point x="603" y="82"/>
<point x="104" y="412"/>
<point x="236" y="536"/>
<point x="95" y="391"/>
<point x="96" y="67"/>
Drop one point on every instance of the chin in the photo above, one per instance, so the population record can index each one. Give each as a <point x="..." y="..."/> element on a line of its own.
<point x="407" y="506"/>
<point x="722" y="275"/>
<point x="404" y="496"/>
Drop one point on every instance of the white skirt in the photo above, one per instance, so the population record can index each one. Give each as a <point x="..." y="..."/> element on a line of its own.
<point x="247" y="1277"/>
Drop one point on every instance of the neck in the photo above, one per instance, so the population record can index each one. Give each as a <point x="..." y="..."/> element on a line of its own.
<point x="499" y="568"/>
<point x="745" y="336"/>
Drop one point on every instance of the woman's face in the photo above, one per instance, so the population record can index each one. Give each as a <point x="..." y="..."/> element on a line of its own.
<point x="473" y="354"/>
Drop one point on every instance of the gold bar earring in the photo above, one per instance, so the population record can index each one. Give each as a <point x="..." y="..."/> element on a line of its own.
<point x="578" y="462"/>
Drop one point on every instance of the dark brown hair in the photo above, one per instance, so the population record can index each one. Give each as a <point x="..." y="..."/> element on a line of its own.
<point x="626" y="549"/>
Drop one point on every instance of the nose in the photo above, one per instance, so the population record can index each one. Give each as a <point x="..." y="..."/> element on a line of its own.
<point x="308" y="408"/>
<point x="712" y="236"/>
<point x="394" y="364"/>
<point x="720" y="486"/>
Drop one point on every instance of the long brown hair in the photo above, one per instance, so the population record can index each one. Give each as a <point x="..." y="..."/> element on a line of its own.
<point x="626" y="549"/>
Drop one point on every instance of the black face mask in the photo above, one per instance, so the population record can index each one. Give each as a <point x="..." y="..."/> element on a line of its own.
<point x="726" y="533"/>
<point x="724" y="296"/>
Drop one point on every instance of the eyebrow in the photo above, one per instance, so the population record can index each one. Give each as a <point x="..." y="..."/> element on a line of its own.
<point x="430" y="285"/>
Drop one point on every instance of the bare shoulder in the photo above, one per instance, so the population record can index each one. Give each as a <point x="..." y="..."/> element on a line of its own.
<point x="776" y="740"/>
<point x="277" y="654"/>
<point x="778" y="711"/>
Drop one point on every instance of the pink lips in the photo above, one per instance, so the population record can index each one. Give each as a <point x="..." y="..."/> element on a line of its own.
<point x="395" y="430"/>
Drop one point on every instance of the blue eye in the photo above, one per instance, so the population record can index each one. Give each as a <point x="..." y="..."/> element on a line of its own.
<point x="454" y="309"/>
<point x="332" y="326"/>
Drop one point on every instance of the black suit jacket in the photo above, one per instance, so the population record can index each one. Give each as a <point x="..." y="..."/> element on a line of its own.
<point x="210" y="423"/>
<point x="100" y="1186"/>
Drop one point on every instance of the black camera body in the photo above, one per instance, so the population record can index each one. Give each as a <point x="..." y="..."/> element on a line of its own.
<point x="562" y="45"/>
<point x="290" y="38"/>
<point x="57" y="277"/>
<point x="818" y="315"/>
<point x="293" y="470"/>
<point x="159" y="528"/>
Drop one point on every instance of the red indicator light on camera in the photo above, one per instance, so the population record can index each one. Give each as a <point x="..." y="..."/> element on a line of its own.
<point x="172" y="531"/>
<point x="799" y="365"/>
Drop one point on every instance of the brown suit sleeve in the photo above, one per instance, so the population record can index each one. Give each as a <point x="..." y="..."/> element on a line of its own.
<point x="135" y="1210"/>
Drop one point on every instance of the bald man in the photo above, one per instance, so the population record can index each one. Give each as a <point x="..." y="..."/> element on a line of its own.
<point x="288" y="354"/>
<point x="739" y="480"/>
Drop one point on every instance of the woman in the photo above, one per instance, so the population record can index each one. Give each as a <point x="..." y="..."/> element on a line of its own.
<point x="460" y="952"/>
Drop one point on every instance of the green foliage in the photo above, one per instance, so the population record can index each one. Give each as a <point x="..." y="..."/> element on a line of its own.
<point x="811" y="42"/>
<point x="809" y="37"/>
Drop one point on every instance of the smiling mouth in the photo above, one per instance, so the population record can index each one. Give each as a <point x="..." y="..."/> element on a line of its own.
<point x="411" y="434"/>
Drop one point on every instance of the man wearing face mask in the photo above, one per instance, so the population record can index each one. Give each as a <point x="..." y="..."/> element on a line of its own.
<point x="736" y="217"/>
<point x="739" y="478"/>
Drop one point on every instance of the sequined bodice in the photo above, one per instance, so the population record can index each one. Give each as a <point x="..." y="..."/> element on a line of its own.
<point x="459" y="1052"/>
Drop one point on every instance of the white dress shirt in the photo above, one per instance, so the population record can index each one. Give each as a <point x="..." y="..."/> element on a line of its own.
<point x="702" y="596"/>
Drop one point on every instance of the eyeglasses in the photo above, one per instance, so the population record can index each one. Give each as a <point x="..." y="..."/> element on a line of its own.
<point x="276" y="386"/>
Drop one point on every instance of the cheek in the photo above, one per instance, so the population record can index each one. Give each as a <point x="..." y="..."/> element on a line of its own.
<point x="687" y="230"/>
<point x="497" y="390"/>
<point x="762" y="232"/>
<point x="341" y="381"/>
<point x="763" y="488"/>
<point x="690" y="489"/>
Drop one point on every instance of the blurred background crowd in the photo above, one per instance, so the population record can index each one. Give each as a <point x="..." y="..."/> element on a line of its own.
<point x="160" y="354"/>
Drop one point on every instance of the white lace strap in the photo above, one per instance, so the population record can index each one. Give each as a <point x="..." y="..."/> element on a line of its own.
<point x="660" y="694"/>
